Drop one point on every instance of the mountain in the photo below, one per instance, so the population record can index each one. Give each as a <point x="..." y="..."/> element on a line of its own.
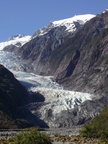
<point x="78" y="59"/>
<point x="74" y="51"/>
<point x="44" y="41"/>
<point x="48" y="96"/>
<point x="69" y="24"/>
<point x="84" y="63"/>
<point x="69" y="49"/>
<point x="14" y="42"/>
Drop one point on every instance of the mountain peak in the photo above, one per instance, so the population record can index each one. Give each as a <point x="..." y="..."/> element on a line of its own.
<point x="16" y="37"/>
<point x="69" y="23"/>
<point x="106" y="10"/>
<point x="77" y="18"/>
<point x="17" y="40"/>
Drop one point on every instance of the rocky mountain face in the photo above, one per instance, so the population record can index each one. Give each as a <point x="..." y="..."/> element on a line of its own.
<point x="44" y="42"/>
<point x="77" y="57"/>
<point x="85" y="65"/>
<point x="12" y="95"/>
<point x="78" y="61"/>
<point x="13" y="98"/>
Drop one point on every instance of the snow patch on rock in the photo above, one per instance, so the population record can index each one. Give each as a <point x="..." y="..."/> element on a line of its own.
<point x="69" y="23"/>
<point x="15" y="40"/>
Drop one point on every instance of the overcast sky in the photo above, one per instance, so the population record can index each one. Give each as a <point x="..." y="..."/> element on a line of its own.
<point x="27" y="16"/>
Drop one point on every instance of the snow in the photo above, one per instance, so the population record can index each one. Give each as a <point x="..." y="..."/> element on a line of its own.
<point x="59" y="100"/>
<point x="68" y="23"/>
<point x="11" y="61"/>
<point x="32" y="81"/>
<point x="14" y="41"/>
<point x="77" y="18"/>
<point x="56" y="98"/>
<point x="106" y="10"/>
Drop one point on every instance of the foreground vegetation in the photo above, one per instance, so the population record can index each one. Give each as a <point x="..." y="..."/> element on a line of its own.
<point x="32" y="136"/>
<point x="29" y="137"/>
<point x="77" y="140"/>
<point x="98" y="128"/>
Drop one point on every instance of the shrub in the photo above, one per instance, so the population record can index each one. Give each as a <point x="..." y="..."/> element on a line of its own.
<point x="31" y="137"/>
<point x="98" y="128"/>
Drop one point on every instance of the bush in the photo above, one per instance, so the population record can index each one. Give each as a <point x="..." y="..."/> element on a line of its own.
<point x="98" y="128"/>
<point x="31" y="137"/>
<point x="88" y="131"/>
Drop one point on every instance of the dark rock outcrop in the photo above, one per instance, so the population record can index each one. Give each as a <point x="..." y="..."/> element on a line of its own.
<point x="91" y="70"/>
<point x="13" y="98"/>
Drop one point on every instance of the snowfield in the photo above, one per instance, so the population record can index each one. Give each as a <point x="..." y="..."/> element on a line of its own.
<point x="18" y="41"/>
<point x="69" y="23"/>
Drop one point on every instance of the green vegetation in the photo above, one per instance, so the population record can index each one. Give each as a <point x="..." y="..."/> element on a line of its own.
<point x="98" y="128"/>
<point x="29" y="137"/>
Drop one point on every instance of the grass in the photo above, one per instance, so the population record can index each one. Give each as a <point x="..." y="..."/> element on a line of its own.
<point x="98" y="128"/>
<point x="32" y="136"/>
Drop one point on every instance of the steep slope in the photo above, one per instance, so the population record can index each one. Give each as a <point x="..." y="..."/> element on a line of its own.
<point x="84" y="66"/>
<point x="77" y="56"/>
<point x="44" y="42"/>
<point x="78" y="61"/>
<point x="12" y="95"/>
<point x="98" y="127"/>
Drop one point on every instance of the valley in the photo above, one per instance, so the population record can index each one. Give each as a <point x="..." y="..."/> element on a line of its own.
<point x="55" y="99"/>
<point x="58" y="76"/>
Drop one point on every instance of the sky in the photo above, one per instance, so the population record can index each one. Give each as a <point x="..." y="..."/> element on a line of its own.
<point x="27" y="16"/>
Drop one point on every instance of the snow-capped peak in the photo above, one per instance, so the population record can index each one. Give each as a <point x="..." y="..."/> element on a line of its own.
<point x="16" y="37"/>
<point x="15" y="40"/>
<point x="106" y="10"/>
<point x="77" y="18"/>
<point x="69" y="23"/>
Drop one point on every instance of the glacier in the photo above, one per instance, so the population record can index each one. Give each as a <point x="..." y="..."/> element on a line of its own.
<point x="11" y="61"/>
<point x="56" y="98"/>
<point x="53" y="93"/>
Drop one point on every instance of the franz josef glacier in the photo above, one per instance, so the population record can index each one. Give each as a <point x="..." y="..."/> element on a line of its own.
<point x="57" y="100"/>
